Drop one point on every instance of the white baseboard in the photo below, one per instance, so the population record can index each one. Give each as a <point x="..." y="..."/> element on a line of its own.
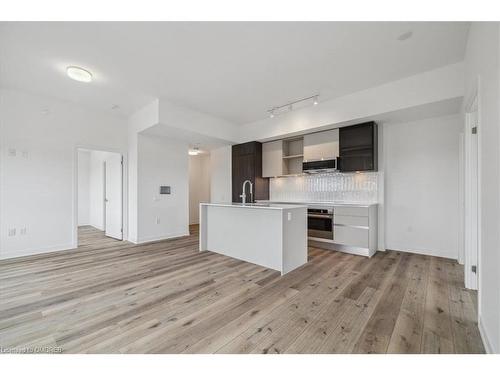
<point x="35" y="251"/>
<point x="484" y="337"/>
<point x="144" y="240"/>
<point x="419" y="251"/>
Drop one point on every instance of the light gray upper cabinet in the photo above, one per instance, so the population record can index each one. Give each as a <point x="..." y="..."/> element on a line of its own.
<point x="321" y="145"/>
<point x="272" y="159"/>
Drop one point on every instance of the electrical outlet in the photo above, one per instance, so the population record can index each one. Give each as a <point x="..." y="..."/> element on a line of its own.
<point x="289" y="216"/>
<point x="12" y="232"/>
<point x="12" y="152"/>
<point x="25" y="154"/>
<point x="157" y="220"/>
<point x="23" y="231"/>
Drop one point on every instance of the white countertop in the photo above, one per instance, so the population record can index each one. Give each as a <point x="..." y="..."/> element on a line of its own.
<point x="259" y="205"/>
<point x="327" y="203"/>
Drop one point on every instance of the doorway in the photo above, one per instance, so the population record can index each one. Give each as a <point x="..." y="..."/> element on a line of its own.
<point x="471" y="197"/>
<point x="100" y="197"/>
<point x="199" y="187"/>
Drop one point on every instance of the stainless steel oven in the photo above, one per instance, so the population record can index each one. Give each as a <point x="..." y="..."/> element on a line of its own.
<point x="320" y="222"/>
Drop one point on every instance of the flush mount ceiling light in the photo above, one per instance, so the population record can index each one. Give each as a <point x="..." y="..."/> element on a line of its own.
<point x="405" y="36"/>
<point x="194" y="151"/>
<point x="79" y="74"/>
<point x="288" y="107"/>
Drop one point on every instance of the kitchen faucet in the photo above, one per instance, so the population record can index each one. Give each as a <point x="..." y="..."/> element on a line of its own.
<point x="243" y="195"/>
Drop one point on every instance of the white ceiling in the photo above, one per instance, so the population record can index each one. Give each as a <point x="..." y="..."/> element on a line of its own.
<point x="204" y="142"/>
<point x="236" y="70"/>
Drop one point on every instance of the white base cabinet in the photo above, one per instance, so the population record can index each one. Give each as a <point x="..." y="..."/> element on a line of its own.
<point x="354" y="230"/>
<point x="356" y="227"/>
<point x="351" y="236"/>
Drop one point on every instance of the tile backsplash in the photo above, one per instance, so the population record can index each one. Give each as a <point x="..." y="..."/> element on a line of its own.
<point x="348" y="187"/>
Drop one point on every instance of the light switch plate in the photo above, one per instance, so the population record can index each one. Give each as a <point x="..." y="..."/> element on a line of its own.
<point x="164" y="189"/>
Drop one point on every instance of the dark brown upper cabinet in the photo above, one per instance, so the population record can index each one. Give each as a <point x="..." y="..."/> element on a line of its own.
<point x="247" y="165"/>
<point x="358" y="148"/>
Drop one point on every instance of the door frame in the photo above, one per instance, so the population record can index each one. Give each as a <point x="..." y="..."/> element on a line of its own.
<point x="472" y="195"/>
<point x="75" y="188"/>
<point x="104" y="196"/>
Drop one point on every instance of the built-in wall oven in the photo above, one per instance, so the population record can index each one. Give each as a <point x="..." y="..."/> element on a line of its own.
<point x="320" y="222"/>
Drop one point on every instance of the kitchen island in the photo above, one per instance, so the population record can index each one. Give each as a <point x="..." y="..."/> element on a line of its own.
<point x="270" y="235"/>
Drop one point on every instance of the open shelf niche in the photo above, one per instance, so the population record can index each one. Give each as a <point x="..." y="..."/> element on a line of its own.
<point x="293" y="155"/>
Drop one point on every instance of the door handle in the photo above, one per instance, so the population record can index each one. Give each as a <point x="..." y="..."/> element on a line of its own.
<point x="318" y="216"/>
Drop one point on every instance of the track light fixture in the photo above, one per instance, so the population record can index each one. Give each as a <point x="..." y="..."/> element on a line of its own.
<point x="289" y="106"/>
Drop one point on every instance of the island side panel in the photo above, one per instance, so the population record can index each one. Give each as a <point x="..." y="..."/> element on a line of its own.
<point x="294" y="238"/>
<point x="252" y="235"/>
<point x="203" y="227"/>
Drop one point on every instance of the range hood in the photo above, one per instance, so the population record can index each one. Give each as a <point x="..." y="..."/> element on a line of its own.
<point x="320" y="166"/>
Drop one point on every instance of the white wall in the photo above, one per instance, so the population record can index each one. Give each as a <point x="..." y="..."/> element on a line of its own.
<point x="144" y="118"/>
<point x="220" y="172"/>
<point x="482" y="75"/>
<point x="162" y="161"/>
<point x="421" y="186"/>
<point x="38" y="185"/>
<point x="83" y="187"/>
<point x="199" y="185"/>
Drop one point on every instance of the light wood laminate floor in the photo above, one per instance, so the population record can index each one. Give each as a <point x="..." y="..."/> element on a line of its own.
<point x="109" y="296"/>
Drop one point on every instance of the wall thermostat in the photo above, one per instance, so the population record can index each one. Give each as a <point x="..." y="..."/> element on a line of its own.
<point x="164" y="189"/>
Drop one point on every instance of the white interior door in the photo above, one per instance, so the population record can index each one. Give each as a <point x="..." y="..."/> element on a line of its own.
<point x="113" y="198"/>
